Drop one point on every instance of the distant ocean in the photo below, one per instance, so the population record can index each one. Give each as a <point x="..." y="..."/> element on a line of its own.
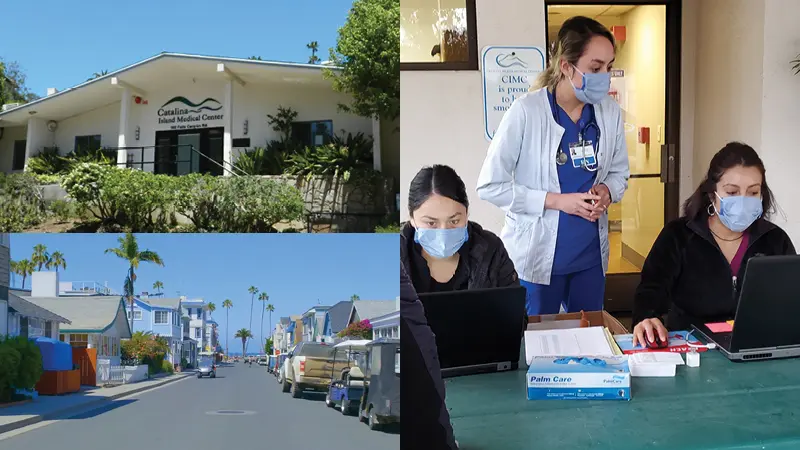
<point x="240" y="353"/>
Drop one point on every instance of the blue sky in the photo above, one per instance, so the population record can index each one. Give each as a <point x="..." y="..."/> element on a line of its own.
<point x="296" y="270"/>
<point x="62" y="43"/>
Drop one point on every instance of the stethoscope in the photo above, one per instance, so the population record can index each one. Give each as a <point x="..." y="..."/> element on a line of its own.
<point x="562" y="158"/>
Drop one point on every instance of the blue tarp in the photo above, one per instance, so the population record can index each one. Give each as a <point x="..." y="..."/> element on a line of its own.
<point x="291" y="327"/>
<point x="56" y="355"/>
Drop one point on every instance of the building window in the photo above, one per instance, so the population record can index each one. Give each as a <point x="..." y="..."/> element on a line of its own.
<point x="61" y="337"/>
<point x="87" y="143"/>
<point x="199" y="312"/>
<point x="197" y="333"/>
<point x="137" y="314"/>
<point x="312" y="134"/>
<point x="104" y="346"/>
<point x="48" y="328"/>
<point x="437" y="37"/>
<point x="114" y="346"/>
<point x="79" y="340"/>
<point x="161" y="317"/>
<point x="18" y="162"/>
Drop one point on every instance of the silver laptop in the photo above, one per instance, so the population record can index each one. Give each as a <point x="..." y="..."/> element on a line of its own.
<point x="765" y="326"/>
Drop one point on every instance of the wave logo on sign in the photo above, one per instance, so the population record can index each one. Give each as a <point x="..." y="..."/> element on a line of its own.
<point x="208" y="104"/>
<point x="506" y="61"/>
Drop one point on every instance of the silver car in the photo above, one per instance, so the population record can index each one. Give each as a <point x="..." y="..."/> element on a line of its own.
<point x="206" y="368"/>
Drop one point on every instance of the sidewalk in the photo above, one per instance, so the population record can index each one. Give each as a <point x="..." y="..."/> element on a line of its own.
<point x="48" y="407"/>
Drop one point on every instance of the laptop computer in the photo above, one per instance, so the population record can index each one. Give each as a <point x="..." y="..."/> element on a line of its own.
<point x="765" y="325"/>
<point x="477" y="331"/>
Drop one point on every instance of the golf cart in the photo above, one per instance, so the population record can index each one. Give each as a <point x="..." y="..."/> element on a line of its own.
<point x="347" y="387"/>
<point x="206" y="367"/>
<point x="271" y="364"/>
<point x="380" y="404"/>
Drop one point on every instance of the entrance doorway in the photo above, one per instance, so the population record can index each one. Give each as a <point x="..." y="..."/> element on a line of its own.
<point x="181" y="152"/>
<point x="646" y="84"/>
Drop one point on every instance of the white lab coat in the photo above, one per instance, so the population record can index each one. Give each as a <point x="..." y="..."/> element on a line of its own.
<point x="520" y="169"/>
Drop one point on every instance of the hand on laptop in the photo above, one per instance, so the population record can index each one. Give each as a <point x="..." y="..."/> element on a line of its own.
<point x="646" y="330"/>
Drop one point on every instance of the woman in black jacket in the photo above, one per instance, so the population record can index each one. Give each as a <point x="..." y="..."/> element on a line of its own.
<point x="440" y="249"/>
<point x="692" y="271"/>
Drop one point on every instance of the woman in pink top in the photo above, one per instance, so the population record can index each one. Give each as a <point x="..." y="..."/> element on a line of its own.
<point x="691" y="274"/>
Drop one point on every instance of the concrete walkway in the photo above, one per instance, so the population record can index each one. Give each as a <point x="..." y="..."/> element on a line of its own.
<point x="47" y="407"/>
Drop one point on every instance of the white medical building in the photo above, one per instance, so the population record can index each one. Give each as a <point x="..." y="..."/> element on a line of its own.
<point x="690" y="76"/>
<point x="217" y="105"/>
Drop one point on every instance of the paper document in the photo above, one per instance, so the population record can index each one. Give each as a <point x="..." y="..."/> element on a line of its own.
<point x="572" y="342"/>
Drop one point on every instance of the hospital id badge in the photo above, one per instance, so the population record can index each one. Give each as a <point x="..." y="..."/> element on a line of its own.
<point x="582" y="153"/>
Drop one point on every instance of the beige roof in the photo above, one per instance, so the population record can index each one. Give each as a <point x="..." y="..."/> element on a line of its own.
<point x="159" y="302"/>
<point x="29" y="309"/>
<point x="87" y="314"/>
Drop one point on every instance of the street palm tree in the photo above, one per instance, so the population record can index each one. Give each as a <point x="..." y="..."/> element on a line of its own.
<point x="13" y="267"/>
<point x="40" y="256"/>
<point x="211" y="308"/>
<point x="227" y="304"/>
<point x="244" y="334"/>
<point x="25" y="268"/>
<point x="262" y="297"/>
<point x="56" y="260"/>
<point x="158" y="286"/>
<point x="129" y="250"/>
<point x="313" y="46"/>
<point x="270" y="308"/>
<point x="253" y="291"/>
<point x="355" y="297"/>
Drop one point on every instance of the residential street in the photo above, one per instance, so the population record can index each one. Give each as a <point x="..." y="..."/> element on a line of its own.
<point x="183" y="415"/>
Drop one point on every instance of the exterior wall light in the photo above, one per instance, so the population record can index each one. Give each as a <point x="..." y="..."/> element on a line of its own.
<point x="136" y="134"/>
<point x="245" y="127"/>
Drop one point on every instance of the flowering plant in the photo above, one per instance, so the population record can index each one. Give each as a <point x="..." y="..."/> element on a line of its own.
<point x="362" y="329"/>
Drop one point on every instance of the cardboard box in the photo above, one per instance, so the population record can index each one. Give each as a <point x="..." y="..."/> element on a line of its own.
<point x="595" y="319"/>
<point x="597" y="378"/>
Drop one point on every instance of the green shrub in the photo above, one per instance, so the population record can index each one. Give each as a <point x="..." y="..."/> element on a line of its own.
<point x="184" y="362"/>
<point x="63" y="210"/>
<point x="30" y="365"/>
<point x="47" y="179"/>
<point x="260" y="161"/>
<point x="391" y="228"/>
<point x="167" y="367"/>
<point x="48" y="162"/>
<point x="236" y="204"/>
<point x="21" y="200"/>
<point x="9" y="370"/>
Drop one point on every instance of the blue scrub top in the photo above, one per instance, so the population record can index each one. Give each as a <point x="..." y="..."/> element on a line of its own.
<point x="578" y="240"/>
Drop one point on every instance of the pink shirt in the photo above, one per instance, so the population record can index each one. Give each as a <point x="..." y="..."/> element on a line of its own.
<point x="736" y="263"/>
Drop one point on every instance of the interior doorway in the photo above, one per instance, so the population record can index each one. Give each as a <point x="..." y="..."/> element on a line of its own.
<point x="181" y="152"/>
<point x="645" y="82"/>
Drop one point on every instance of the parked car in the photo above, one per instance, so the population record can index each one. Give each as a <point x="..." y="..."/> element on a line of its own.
<point x="380" y="404"/>
<point x="347" y="386"/>
<point x="206" y="368"/>
<point x="308" y="369"/>
<point x="280" y="371"/>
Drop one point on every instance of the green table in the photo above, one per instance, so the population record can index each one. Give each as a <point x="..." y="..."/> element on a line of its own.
<point x="753" y="405"/>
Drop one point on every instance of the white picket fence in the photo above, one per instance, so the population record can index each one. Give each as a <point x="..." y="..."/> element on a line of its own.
<point x="109" y="373"/>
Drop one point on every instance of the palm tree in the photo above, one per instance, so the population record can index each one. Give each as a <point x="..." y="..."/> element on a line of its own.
<point x="129" y="250"/>
<point x="211" y="308"/>
<point x="355" y="297"/>
<point x="25" y="268"/>
<point x="253" y="291"/>
<point x="313" y="46"/>
<point x="270" y="308"/>
<point x="13" y="267"/>
<point x="244" y="334"/>
<point x="158" y="286"/>
<point x="262" y="297"/>
<point x="56" y="260"/>
<point x="255" y="58"/>
<point x="102" y="73"/>
<point x="40" y="256"/>
<point x="227" y="304"/>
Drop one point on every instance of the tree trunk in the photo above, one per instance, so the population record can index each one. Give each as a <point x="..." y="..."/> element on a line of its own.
<point x="227" y="310"/>
<point x="261" y="330"/>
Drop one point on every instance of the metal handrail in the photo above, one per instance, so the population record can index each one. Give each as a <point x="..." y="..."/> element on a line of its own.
<point x="232" y="170"/>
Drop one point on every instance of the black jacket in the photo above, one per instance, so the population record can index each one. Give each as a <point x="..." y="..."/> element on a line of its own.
<point x="487" y="262"/>
<point x="687" y="277"/>
<point x="426" y="422"/>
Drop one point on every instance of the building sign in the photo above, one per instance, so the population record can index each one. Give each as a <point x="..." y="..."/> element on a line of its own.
<point x="182" y="113"/>
<point x="508" y="73"/>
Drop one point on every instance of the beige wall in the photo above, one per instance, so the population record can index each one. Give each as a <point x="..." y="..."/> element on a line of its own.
<point x="442" y="112"/>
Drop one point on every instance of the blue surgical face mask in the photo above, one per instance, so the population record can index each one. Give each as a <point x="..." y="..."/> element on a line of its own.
<point x="595" y="86"/>
<point x="738" y="212"/>
<point x="441" y="242"/>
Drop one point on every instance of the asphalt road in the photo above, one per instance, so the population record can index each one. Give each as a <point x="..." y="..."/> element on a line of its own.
<point x="181" y="415"/>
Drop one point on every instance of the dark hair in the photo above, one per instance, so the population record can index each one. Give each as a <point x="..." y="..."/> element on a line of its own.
<point x="436" y="179"/>
<point x="732" y="155"/>
<point x="573" y="37"/>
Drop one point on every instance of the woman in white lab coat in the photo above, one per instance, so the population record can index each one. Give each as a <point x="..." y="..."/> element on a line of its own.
<point x="557" y="161"/>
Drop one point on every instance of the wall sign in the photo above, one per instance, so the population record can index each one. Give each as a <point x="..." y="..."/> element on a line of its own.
<point x="180" y="112"/>
<point x="508" y="73"/>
